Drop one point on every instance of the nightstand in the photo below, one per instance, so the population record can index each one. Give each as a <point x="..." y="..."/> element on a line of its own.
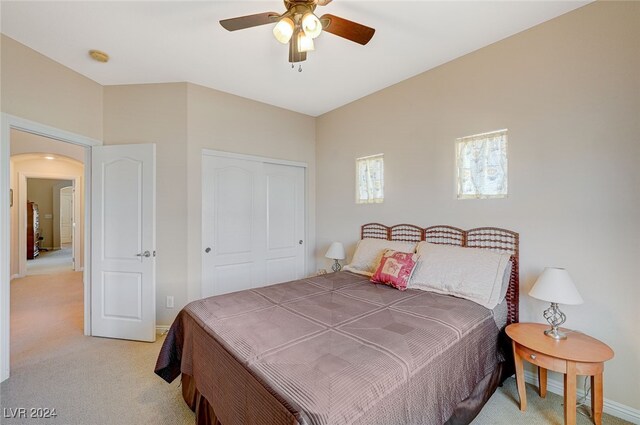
<point x="579" y="354"/>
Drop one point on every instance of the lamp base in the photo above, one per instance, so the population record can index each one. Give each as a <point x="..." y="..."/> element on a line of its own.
<point x="555" y="318"/>
<point x="555" y="334"/>
<point x="336" y="267"/>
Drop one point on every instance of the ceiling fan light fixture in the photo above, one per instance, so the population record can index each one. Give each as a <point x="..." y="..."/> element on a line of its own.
<point x="305" y="43"/>
<point x="311" y="25"/>
<point x="283" y="30"/>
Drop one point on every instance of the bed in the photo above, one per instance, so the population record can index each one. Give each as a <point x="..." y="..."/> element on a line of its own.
<point x="337" y="349"/>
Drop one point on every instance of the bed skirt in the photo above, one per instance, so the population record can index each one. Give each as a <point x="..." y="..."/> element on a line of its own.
<point x="463" y="414"/>
<point x="196" y="402"/>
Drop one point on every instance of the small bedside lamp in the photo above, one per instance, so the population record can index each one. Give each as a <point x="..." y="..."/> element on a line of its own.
<point x="555" y="285"/>
<point x="336" y="252"/>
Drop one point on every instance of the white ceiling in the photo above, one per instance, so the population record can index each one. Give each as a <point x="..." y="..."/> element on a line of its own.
<point x="156" y="42"/>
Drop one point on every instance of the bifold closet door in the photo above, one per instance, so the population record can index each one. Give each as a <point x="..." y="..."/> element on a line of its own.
<point x="252" y="224"/>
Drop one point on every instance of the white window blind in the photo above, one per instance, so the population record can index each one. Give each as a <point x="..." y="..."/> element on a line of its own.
<point x="370" y="179"/>
<point x="482" y="165"/>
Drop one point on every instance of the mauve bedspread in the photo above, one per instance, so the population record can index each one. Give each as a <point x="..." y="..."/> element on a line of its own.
<point x="333" y="349"/>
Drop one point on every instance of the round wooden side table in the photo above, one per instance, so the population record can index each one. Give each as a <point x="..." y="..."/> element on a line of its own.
<point x="579" y="354"/>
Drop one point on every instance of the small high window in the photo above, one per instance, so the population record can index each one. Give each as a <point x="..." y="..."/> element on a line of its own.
<point x="481" y="162"/>
<point x="370" y="179"/>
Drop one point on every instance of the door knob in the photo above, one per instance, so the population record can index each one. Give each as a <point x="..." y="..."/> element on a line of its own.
<point x="300" y="242"/>
<point x="207" y="250"/>
<point x="144" y="254"/>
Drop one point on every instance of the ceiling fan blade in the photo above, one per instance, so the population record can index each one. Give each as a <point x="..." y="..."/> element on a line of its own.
<point x="344" y="28"/>
<point x="323" y="2"/>
<point x="249" y="21"/>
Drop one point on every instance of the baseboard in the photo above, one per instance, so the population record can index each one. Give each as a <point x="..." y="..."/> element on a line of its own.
<point x="609" y="406"/>
<point x="162" y="329"/>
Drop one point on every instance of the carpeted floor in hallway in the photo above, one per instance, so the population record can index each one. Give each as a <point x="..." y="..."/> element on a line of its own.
<point x="53" y="261"/>
<point x="89" y="381"/>
<point x="99" y="381"/>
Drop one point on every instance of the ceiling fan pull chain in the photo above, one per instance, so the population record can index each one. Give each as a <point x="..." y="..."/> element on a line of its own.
<point x="300" y="68"/>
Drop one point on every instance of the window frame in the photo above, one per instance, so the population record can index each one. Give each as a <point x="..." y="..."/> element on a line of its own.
<point x="360" y="201"/>
<point x="457" y="159"/>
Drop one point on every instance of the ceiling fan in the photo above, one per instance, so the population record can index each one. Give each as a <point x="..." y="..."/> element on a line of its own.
<point x="298" y="26"/>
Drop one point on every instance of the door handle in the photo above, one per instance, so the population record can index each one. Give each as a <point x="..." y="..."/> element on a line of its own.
<point x="207" y="250"/>
<point x="300" y="242"/>
<point x="146" y="254"/>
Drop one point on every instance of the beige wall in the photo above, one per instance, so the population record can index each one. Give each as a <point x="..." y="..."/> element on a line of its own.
<point x="182" y="119"/>
<point x="23" y="142"/>
<point x="569" y="93"/>
<point x="35" y="165"/>
<point x="224" y="122"/>
<point x="43" y="192"/>
<point x="44" y="91"/>
<point x="39" y="89"/>
<point x="157" y="113"/>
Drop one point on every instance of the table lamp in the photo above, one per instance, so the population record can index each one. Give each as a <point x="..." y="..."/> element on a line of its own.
<point x="336" y="252"/>
<point x="555" y="286"/>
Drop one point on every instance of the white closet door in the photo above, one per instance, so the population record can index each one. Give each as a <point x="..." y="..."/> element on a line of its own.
<point x="252" y="223"/>
<point x="284" y="256"/>
<point x="232" y="223"/>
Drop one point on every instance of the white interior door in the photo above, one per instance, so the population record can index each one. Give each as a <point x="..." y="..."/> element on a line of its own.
<point x="123" y="301"/>
<point x="66" y="214"/>
<point x="284" y="256"/>
<point x="253" y="222"/>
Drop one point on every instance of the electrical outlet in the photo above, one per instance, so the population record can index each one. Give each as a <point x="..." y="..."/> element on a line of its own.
<point x="169" y="301"/>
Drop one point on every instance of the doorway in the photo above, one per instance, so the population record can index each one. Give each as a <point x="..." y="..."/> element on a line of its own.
<point x="120" y="201"/>
<point x="50" y="223"/>
<point x="14" y="128"/>
<point x="47" y="293"/>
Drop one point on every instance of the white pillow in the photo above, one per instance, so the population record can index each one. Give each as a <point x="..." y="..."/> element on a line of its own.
<point x="471" y="273"/>
<point x="369" y="253"/>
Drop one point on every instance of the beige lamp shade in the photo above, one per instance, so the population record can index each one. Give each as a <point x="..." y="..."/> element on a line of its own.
<point x="556" y="286"/>
<point x="335" y="251"/>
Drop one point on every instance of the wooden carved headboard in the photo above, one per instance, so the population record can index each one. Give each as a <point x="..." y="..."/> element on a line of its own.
<point x="492" y="238"/>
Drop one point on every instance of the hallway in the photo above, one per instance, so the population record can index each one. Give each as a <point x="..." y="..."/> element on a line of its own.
<point x="52" y="261"/>
<point x="46" y="316"/>
<point x="87" y="380"/>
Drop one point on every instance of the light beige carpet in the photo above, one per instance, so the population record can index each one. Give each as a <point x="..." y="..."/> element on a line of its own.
<point x="87" y="380"/>
<point x="97" y="381"/>
<point x="52" y="261"/>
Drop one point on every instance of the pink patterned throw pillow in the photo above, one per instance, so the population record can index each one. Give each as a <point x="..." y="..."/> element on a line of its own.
<point x="395" y="269"/>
